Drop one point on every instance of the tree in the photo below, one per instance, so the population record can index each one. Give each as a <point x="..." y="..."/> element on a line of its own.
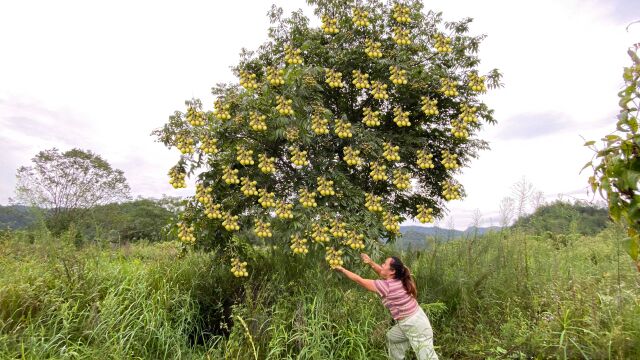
<point x="616" y="167"/>
<point x="376" y="110"/>
<point x="507" y="209"/>
<point x="68" y="184"/>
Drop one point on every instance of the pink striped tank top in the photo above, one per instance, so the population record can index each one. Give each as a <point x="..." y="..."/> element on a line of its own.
<point x="396" y="298"/>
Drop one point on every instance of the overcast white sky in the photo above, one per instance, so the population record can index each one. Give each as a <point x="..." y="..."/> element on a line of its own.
<point x="103" y="75"/>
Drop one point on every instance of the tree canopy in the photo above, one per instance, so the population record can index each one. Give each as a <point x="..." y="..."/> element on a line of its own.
<point x="335" y="133"/>
<point x="67" y="184"/>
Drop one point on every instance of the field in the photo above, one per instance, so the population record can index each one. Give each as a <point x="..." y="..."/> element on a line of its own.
<point x="502" y="295"/>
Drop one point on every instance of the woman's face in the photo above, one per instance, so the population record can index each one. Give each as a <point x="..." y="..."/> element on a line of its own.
<point x="387" y="272"/>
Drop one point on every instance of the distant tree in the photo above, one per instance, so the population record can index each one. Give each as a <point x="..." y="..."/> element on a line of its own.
<point x="131" y="221"/>
<point x="507" y="209"/>
<point x="68" y="184"/>
<point x="522" y="192"/>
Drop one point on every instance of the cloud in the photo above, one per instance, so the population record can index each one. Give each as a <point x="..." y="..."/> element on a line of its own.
<point x="532" y="125"/>
<point x="625" y="11"/>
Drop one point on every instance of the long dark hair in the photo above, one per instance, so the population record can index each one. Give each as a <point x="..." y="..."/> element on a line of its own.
<point x="404" y="274"/>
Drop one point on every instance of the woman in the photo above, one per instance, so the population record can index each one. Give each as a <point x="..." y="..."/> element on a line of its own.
<point x="398" y="292"/>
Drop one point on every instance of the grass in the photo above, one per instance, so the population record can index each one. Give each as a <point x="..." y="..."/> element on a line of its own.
<point x="486" y="297"/>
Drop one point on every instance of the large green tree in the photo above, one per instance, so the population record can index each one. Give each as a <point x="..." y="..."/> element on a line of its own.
<point x="68" y="184"/>
<point x="335" y="133"/>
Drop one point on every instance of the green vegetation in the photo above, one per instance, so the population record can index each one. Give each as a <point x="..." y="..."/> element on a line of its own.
<point x="149" y="301"/>
<point x="565" y="218"/>
<point x="616" y="166"/>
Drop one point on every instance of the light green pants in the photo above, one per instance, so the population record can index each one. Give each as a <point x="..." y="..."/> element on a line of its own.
<point x="415" y="331"/>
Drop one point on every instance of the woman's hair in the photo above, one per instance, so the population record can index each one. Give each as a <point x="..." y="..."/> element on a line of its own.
<point x="404" y="274"/>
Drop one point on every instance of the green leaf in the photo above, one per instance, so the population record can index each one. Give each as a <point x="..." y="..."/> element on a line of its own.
<point x="589" y="143"/>
<point x="612" y="138"/>
<point x="631" y="246"/>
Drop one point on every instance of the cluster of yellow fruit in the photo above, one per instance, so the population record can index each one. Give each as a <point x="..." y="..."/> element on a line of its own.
<point x="429" y="107"/>
<point x="443" y="43"/>
<point x="299" y="244"/>
<point x="401" y="36"/>
<point x="195" y="117"/>
<point x="360" y="80"/>
<point x="213" y="211"/>
<point x="343" y="129"/>
<point x="425" y="214"/>
<point x="371" y="118"/>
<point x="379" y="90"/>
<point x="354" y="241"/>
<point x="221" y="110"/>
<point x="319" y="125"/>
<point x="390" y="222"/>
<point x="230" y="176"/>
<point x="248" y="187"/>
<point x="266" y="164"/>
<point x="334" y="257"/>
<point x="338" y="229"/>
<point x="292" y="133"/>
<point x="203" y="194"/>
<point x="450" y="190"/>
<point x="391" y="152"/>
<point x="351" y="156"/>
<point x="378" y="171"/>
<point x="360" y="17"/>
<point x="292" y="56"/>
<point x="307" y="199"/>
<point x="284" y="106"/>
<point x="185" y="233"/>
<point x="239" y="268"/>
<point x="176" y="177"/>
<point x="459" y="129"/>
<point x="230" y="222"/>
<point x="333" y="78"/>
<point x="257" y="122"/>
<point x="184" y="144"/>
<point x="298" y="157"/>
<point x="398" y="76"/>
<point x="329" y="25"/>
<point x="283" y="210"/>
<point x="319" y="233"/>
<point x="449" y="160"/>
<point x="262" y="229"/>
<point x="468" y="114"/>
<point x="209" y="145"/>
<point x="401" y="118"/>
<point x="401" y="179"/>
<point x="248" y="80"/>
<point x="401" y="13"/>
<point x="476" y="83"/>
<point x="372" y="202"/>
<point x="449" y="87"/>
<point x="266" y="199"/>
<point x="372" y="49"/>
<point x="244" y="156"/>
<point x="425" y="160"/>
<point x="275" y="76"/>
<point x="325" y="187"/>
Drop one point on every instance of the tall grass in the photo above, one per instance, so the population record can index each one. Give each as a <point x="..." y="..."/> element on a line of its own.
<point x="578" y="298"/>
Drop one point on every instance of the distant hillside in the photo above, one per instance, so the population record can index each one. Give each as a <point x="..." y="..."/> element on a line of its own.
<point x="566" y="218"/>
<point x="16" y="217"/>
<point x="415" y="236"/>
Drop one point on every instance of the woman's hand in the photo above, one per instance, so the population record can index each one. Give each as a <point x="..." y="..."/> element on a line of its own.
<point x="338" y="268"/>
<point x="365" y="258"/>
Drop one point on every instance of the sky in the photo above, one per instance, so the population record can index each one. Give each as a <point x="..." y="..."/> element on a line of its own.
<point x="103" y="75"/>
